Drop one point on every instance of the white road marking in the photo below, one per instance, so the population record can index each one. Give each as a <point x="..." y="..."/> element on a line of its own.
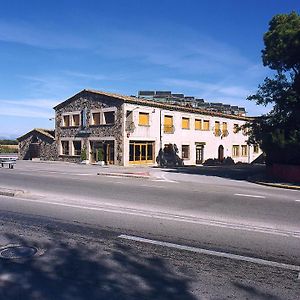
<point x="163" y="178"/>
<point x="114" y="176"/>
<point x="297" y="200"/>
<point x="167" y="217"/>
<point x="211" y="252"/>
<point x="251" y="196"/>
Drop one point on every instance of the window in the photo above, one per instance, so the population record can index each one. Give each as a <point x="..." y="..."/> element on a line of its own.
<point x="244" y="150"/>
<point x="77" y="147"/>
<point x="75" y="120"/>
<point x="143" y="119"/>
<point x="66" y="121"/>
<point x="206" y="125"/>
<point x="235" y="150"/>
<point x="235" y="128"/>
<point x="65" y="147"/>
<point x="217" y="128"/>
<point x="168" y="124"/>
<point x="198" y="124"/>
<point x="185" y="151"/>
<point x="224" y="129"/>
<point x="141" y="152"/>
<point x="96" y="118"/>
<point x="109" y="117"/>
<point x="255" y="148"/>
<point x="185" y="123"/>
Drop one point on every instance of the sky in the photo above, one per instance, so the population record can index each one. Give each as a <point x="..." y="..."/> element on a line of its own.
<point x="52" y="49"/>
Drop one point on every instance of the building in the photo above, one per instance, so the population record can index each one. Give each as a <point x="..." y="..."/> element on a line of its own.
<point x="123" y="130"/>
<point x="38" y="143"/>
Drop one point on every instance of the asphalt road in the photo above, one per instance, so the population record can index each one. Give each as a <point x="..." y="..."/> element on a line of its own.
<point x="205" y="212"/>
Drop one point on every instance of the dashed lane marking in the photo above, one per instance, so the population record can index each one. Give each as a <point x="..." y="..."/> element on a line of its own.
<point x="251" y="196"/>
<point x="211" y="252"/>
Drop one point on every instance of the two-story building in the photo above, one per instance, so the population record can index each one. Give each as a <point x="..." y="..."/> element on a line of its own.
<point x="131" y="130"/>
<point x="127" y="130"/>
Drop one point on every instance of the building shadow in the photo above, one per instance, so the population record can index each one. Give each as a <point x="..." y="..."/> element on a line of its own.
<point x="243" y="172"/>
<point x="252" y="292"/>
<point x="72" y="272"/>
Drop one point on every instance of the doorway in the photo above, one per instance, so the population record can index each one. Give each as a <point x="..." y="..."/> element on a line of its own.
<point x="199" y="154"/>
<point x="34" y="150"/>
<point x="102" y="151"/>
<point x="221" y="153"/>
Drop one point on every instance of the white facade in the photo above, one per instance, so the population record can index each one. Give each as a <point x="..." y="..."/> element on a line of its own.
<point x="211" y="142"/>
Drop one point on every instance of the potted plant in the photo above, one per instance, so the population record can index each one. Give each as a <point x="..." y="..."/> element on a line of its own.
<point x="83" y="155"/>
<point x="101" y="162"/>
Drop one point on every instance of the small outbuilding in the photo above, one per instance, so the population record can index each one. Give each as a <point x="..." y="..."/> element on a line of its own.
<point x="38" y="144"/>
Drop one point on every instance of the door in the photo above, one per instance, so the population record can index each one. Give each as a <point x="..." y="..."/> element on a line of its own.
<point x="221" y="153"/>
<point x="199" y="154"/>
<point x="34" y="150"/>
<point x="141" y="152"/>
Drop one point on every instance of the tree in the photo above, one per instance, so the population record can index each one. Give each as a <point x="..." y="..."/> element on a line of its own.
<point x="278" y="132"/>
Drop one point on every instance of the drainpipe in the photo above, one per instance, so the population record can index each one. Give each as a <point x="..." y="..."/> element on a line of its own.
<point x="160" y="132"/>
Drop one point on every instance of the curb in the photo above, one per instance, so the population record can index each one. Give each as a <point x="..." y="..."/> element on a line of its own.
<point x="10" y="193"/>
<point x="278" y="185"/>
<point x="125" y="175"/>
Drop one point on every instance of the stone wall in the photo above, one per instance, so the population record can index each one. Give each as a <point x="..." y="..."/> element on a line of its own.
<point x="47" y="147"/>
<point x="91" y="102"/>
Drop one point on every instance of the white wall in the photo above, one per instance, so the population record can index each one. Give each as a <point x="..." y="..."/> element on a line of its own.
<point x="186" y="136"/>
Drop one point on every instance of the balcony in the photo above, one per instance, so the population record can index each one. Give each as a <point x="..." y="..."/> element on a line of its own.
<point x="217" y="132"/>
<point x="129" y="126"/>
<point x="169" y="129"/>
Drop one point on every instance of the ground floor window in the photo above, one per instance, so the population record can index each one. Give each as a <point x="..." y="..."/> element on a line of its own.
<point x="244" y="150"/>
<point x="77" y="147"/>
<point x="185" y="151"/>
<point x="65" y="147"/>
<point x="141" y="152"/>
<point x="235" y="150"/>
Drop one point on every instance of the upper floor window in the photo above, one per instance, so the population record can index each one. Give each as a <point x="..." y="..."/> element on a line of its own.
<point x="143" y="119"/>
<point x="256" y="148"/>
<point x="109" y="117"/>
<point x="96" y="118"/>
<point x="206" y="125"/>
<point x="168" y="124"/>
<point x="75" y="120"/>
<point x="198" y="124"/>
<point x="224" y="129"/>
<point x="185" y="122"/>
<point x="235" y="128"/>
<point x="66" y="121"/>
<point x="217" y="129"/>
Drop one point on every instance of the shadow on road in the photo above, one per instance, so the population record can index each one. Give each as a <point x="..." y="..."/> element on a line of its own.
<point x="254" y="293"/>
<point x="72" y="272"/>
<point x="236" y="172"/>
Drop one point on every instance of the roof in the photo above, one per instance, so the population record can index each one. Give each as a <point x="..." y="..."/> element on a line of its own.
<point x="50" y="133"/>
<point x="152" y="103"/>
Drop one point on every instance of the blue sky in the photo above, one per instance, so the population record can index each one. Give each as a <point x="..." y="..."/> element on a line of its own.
<point x="50" y="50"/>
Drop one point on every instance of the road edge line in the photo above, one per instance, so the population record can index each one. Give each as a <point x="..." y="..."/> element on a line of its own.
<point x="211" y="252"/>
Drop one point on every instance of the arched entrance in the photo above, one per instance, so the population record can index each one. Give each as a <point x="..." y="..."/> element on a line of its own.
<point x="221" y="153"/>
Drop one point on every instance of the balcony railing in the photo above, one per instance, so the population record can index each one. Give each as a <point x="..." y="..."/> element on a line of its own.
<point x="217" y="132"/>
<point x="129" y="126"/>
<point x="225" y="133"/>
<point x="169" y="128"/>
